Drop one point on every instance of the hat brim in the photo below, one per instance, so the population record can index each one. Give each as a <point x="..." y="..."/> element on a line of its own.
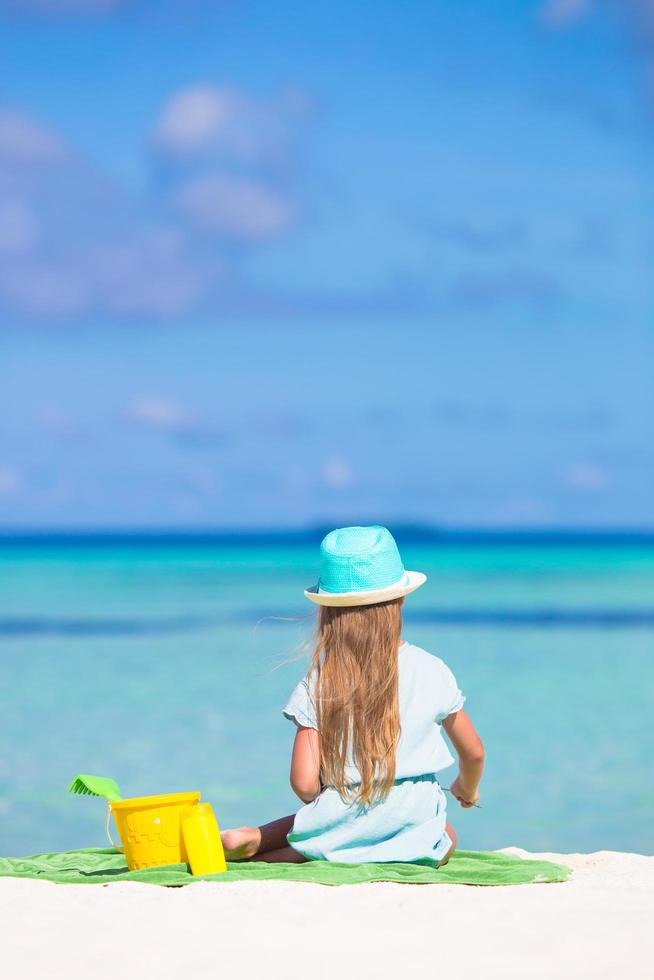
<point x="413" y="581"/>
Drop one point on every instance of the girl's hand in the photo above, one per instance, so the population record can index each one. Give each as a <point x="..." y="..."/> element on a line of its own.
<point x="467" y="797"/>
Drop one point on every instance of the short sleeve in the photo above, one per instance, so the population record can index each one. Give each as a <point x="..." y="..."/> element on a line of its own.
<point x="450" y="697"/>
<point x="300" y="708"/>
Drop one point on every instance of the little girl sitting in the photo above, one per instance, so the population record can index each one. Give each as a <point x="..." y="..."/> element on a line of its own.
<point x="369" y="717"/>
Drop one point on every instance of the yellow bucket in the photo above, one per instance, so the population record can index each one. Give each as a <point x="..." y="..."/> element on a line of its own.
<point x="201" y="835"/>
<point x="150" y="828"/>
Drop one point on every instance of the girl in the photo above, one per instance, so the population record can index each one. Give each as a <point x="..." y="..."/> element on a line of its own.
<point x="369" y="715"/>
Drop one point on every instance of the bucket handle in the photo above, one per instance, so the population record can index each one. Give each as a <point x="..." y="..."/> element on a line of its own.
<point x="108" y="831"/>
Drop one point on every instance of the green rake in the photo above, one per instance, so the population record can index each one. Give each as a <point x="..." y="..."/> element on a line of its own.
<point x="84" y="785"/>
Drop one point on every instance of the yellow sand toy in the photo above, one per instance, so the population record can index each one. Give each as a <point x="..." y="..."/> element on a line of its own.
<point x="160" y="830"/>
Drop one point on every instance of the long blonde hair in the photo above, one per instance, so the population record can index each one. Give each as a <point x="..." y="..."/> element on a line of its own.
<point x="356" y="693"/>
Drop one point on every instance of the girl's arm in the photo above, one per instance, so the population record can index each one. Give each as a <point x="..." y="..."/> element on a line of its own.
<point x="470" y="750"/>
<point x="305" y="764"/>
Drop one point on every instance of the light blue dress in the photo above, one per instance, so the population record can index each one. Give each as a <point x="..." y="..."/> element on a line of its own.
<point x="409" y="825"/>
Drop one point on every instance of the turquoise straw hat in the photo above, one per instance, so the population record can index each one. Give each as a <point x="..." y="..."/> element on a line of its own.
<point x="359" y="566"/>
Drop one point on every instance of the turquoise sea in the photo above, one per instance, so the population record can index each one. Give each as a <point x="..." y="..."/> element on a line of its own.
<point x="164" y="662"/>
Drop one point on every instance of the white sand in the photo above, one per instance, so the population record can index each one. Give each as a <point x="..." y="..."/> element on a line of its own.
<point x="599" y="924"/>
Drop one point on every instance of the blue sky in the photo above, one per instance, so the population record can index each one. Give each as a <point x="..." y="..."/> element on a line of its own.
<point x="271" y="264"/>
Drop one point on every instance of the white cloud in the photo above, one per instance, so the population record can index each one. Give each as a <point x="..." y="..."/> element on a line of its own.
<point x="241" y="209"/>
<point x="73" y="243"/>
<point x="18" y="227"/>
<point x="10" y="481"/>
<point x="199" y="117"/>
<point x="76" y="244"/>
<point x="24" y="141"/>
<point x="637" y="15"/>
<point x="586" y="476"/>
<point x="560" y="13"/>
<point x="229" y="151"/>
<point x="337" y="474"/>
<point x="149" y="274"/>
<point x="44" y="287"/>
<point x="226" y="124"/>
<point x="158" y="413"/>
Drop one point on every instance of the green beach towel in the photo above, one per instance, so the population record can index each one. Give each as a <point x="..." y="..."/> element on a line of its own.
<point x="95" y="866"/>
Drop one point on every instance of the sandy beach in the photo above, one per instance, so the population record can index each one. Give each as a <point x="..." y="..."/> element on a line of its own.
<point x="598" y="924"/>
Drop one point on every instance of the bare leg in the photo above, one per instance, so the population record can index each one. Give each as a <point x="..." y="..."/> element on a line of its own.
<point x="246" y="842"/>
<point x="452" y="835"/>
<point x="286" y="854"/>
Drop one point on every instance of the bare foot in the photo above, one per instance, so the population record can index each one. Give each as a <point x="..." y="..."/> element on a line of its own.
<point x="242" y="843"/>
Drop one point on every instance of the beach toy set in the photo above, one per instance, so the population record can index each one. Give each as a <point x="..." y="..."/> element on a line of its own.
<point x="156" y="831"/>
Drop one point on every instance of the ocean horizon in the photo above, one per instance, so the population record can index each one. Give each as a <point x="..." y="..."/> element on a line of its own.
<point x="303" y="534"/>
